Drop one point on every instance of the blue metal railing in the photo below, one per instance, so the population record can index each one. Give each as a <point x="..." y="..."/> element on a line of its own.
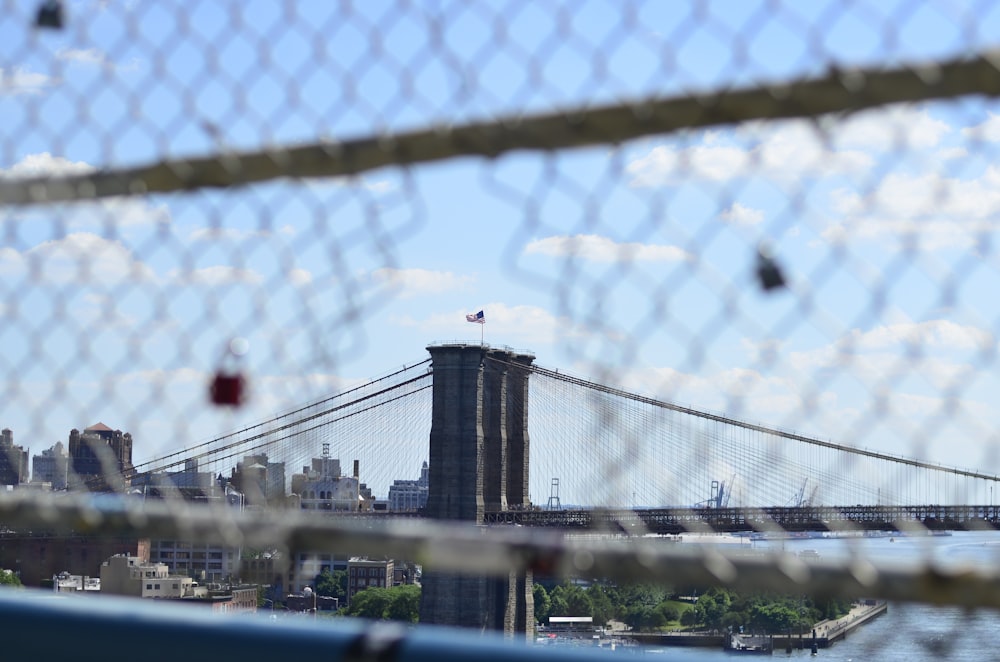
<point x="38" y="625"/>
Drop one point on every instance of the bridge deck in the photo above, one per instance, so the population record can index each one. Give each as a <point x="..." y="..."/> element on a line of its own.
<point x="734" y="520"/>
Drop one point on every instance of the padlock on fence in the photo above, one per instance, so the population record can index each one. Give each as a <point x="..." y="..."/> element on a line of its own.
<point x="229" y="386"/>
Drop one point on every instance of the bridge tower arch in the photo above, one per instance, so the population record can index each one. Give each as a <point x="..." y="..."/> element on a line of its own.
<point x="478" y="463"/>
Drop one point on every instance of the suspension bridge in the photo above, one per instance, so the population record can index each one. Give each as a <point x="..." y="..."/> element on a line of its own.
<point x="599" y="456"/>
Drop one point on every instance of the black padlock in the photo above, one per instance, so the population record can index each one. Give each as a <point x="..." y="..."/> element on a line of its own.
<point x="50" y="15"/>
<point x="769" y="274"/>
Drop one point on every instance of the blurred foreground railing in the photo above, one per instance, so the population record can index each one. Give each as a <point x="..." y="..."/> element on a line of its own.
<point x="500" y="550"/>
<point x="104" y="629"/>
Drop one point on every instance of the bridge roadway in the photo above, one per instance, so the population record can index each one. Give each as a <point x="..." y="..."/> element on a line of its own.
<point x="735" y="520"/>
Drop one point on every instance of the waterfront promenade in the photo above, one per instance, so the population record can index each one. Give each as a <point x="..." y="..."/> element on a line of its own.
<point x="826" y="632"/>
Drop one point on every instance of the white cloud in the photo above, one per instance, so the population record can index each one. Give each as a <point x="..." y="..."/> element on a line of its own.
<point x="217" y="275"/>
<point x="940" y="334"/>
<point x="951" y="154"/>
<point x="233" y="235"/>
<point x="988" y="130"/>
<point x="789" y="150"/>
<point x="93" y="57"/>
<point x="89" y="214"/>
<point x="221" y="234"/>
<point x="739" y="214"/>
<point x="939" y="211"/>
<point x="43" y="164"/>
<point x="127" y="212"/>
<point x="602" y="249"/>
<point x="935" y="352"/>
<point x="80" y="257"/>
<point x="299" y="277"/>
<point x="894" y="127"/>
<point x="417" y="282"/>
<point x="764" y="151"/>
<point x="82" y="55"/>
<point x="19" y="81"/>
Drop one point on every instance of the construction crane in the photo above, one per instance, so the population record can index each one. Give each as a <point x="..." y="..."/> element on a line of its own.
<point x="812" y="497"/>
<point x="799" y="500"/>
<point x="719" y="495"/>
<point x="723" y="500"/>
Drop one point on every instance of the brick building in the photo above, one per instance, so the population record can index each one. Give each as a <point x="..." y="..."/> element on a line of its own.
<point x="363" y="573"/>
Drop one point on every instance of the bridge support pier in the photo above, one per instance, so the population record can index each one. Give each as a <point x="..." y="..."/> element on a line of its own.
<point x="478" y="461"/>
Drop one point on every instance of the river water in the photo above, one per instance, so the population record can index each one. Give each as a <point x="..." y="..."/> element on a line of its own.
<point x="907" y="631"/>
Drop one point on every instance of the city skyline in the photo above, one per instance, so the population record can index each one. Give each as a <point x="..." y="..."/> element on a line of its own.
<point x="631" y="265"/>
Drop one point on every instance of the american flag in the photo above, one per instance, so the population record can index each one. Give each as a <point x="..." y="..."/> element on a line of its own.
<point x="476" y="318"/>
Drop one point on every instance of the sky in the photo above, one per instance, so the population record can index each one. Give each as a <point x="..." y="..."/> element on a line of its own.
<point x="628" y="264"/>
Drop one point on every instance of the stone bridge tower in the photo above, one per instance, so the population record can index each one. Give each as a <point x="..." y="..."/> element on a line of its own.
<point x="478" y="463"/>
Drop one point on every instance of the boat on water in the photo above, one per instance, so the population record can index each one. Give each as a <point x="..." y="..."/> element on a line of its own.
<point x="744" y="644"/>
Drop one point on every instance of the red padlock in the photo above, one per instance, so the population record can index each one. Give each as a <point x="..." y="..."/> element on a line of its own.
<point x="228" y="387"/>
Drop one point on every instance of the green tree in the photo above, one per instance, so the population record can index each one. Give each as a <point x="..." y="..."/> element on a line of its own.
<point x="543" y="605"/>
<point x="712" y="606"/>
<point x="8" y="578"/>
<point x="647" y="595"/>
<point x="670" y="612"/>
<point x="570" y="600"/>
<point x="399" y="603"/>
<point x="643" y="617"/>
<point x="601" y="607"/>
<point x="332" y="584"/>
<point x="557" y="601"/>
<point x="405" y="604"/>
<point x="578" y="602"/>
<point x="373" y="602"/>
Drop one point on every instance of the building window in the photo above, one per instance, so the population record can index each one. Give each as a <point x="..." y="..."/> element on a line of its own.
<point x="176" y="586"/>
<point x="149" y="587"/>
<point x="156" y="586"/>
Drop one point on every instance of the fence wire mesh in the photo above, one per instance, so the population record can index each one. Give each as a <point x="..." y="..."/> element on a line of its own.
<point x="750" y="247"/>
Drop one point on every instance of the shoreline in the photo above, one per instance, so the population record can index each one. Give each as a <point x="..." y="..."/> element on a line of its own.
<point x="824" y="634"/>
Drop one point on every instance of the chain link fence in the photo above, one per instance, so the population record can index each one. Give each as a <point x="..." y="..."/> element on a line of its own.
<point x="216" y="213"/>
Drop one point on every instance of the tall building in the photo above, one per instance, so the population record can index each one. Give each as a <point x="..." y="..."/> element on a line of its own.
<point x="100" y="458"/>
<point x="51" y="467"/>
<point x="261" y="482"/>
<point x="13" y="460"/>
<point x="409" y="495"/>
<point x="322" y="487"/>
